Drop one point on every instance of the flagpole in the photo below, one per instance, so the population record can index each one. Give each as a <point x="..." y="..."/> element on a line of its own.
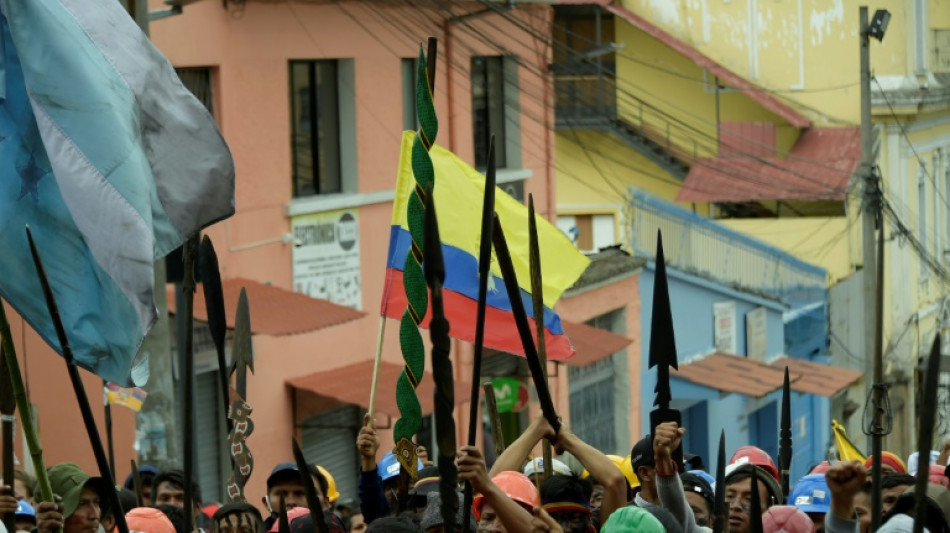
<point x="26" y="412"/>
<point x="109" y="443"/>
<point x="88" y="419"/>
<point x="376" y="363"/>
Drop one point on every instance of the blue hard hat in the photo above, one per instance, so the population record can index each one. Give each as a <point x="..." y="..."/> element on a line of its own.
<point x="811" y="494"/>
<point x="25" y="510"/>
<point x="705" y="475"/>
<point x="143" y="469"/>
<point x="388" y="468"/>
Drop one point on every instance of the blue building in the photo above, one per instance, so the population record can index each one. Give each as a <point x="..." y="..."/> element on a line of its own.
<point x="742" y="312"/>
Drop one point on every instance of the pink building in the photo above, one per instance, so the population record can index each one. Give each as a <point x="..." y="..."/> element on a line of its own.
<point x="312" y="99"/>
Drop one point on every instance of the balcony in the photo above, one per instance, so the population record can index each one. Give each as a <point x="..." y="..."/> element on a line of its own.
<point x="701" y="246"/>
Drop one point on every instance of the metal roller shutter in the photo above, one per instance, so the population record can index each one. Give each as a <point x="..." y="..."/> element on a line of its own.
<point x="209" y="442"/>
<point x="329" y="440"/>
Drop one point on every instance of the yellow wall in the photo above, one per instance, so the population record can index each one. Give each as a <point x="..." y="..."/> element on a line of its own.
<point x="806" y="51"/>
<point x="663" y="88"/>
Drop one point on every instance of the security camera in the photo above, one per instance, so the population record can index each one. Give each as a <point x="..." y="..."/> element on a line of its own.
<point x="289" y="238"/>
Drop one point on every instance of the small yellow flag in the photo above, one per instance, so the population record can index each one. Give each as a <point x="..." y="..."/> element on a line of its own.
<point x="847" y="451"/>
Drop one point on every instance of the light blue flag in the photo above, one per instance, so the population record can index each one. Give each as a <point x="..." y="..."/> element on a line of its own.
<point x="112" y="163"/>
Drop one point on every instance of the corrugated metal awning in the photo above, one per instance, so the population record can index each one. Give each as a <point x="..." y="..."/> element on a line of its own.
<point x="819" y="167"/>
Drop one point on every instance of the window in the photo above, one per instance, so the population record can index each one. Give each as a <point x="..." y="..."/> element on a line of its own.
<point x="922" y="234"/>
<point x="488" y="109"/>
<point x="410" y="120"/>
<point x="198" y="81"/>
<point x="315" y="127"/>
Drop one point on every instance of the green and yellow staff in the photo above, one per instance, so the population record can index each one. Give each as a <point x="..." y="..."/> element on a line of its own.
<point x="410" y="340"/>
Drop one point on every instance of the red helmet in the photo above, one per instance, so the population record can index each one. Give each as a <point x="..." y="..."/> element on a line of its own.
<point x="786" y="519"/>
<point x="517" y="486"/>
<point x="755" y="456"/>
<point x="821" y="468"/>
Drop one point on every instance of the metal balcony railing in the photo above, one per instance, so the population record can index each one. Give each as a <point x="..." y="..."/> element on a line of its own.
<point x="698" y="245"/>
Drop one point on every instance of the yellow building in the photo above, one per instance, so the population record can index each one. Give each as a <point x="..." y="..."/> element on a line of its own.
<point x="748" y="111"/>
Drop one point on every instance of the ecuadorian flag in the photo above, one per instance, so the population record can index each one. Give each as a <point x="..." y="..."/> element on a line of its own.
<point x="459" y="190"/>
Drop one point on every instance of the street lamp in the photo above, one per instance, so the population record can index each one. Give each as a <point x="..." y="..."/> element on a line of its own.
<point x="878" y="24"/>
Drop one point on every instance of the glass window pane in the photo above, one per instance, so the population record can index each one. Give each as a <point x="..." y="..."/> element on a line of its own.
<point x="301" y="128"/>
<point x="328" y="128"/>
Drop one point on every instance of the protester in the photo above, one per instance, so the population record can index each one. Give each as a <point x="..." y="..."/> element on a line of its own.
<point x="356" y="524"/>
<point x="175" y="515"/>
<point x="24" y="486"/>
<point x="168" y="488"/>
<point x="811" y="496"/>
<point x="285" y="482"/>
<point x="786" y="519"/>
<point x="700" y="497"/>
<point x="756" y="456"/>
<point x="25" y="516"/>
<point x="147" y="475"/>
<point x="671" y="494"/>
<point x="901" y="516"/>
<point x="432" y="521"/>
<point x="149" y="520"/>
<point x="377" y="484"/>
<point x="395" y="524"/>
<point x="738" y="487"/>
<point x="567" y="500"/>
<point x="890" y="464"/>
<point x="8" y="502"/>
<point x="237" y="517"/>
<point x="892" y="486"/>
<point x="83" y="500"/>
<point x="641" y="457"/>
<point x="632" y="519"/>
<point x="502" y="501"/>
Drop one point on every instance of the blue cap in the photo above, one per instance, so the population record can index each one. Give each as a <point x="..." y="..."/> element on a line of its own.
<point x="25" y="510"/>
<point x="143" y="469"/>
<point x="811" y="494"/>
<point x="389" y="468"/>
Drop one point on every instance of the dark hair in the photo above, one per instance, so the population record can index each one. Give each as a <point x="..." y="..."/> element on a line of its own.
<point x="29" y="482"/>
<point x="670" y="525"/>
<point x="294" y="475"/>
<point x="175" y="514"/>
<point x="175" y="477"/>
<point x="126" y="499"/>
<point x="565" y="488"/>
<point x="866" y="488"/>
<point x="394" y="524"/>
<point x="889" y="481"/>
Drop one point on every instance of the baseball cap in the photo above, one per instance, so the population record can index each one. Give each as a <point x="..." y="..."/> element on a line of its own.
<point x="281" y="468"/>
<point x="149" y="519"/>
<point x="143" y="469"/>
<point x="536" y="466"/>
<point x="642" y="453"/>
<point x="67" y="480"/>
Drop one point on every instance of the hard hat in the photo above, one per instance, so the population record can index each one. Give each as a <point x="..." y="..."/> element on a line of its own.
<point x="811" y="494"/>
<point x="756" y="456"/>
<point x="706" y="477"/>
<point x="332" y="493"/>
<point x="536" y="466"/>
<point x="627" y="468"/>
<point x="389" y="468"/>
<point x="820" y="468"/>
<point x="516" y="486"/>
<point x="786" y="519"/>
<point x="623" y="463"/>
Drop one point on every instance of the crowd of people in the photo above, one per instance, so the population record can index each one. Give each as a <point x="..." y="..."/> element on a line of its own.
<point x="588" y="491"/>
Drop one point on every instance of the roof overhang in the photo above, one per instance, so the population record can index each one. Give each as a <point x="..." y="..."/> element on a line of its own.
<point x="274" y="311"/>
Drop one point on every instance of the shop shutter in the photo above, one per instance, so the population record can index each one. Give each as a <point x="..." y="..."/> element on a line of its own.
<point x="329" y="440"/>
<point x="209" y="442"/>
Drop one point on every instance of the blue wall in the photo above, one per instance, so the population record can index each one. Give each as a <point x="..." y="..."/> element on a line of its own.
<point x="692" y="300"/>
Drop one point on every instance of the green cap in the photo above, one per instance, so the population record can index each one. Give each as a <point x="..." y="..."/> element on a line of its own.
<point x="67" y="481"/>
